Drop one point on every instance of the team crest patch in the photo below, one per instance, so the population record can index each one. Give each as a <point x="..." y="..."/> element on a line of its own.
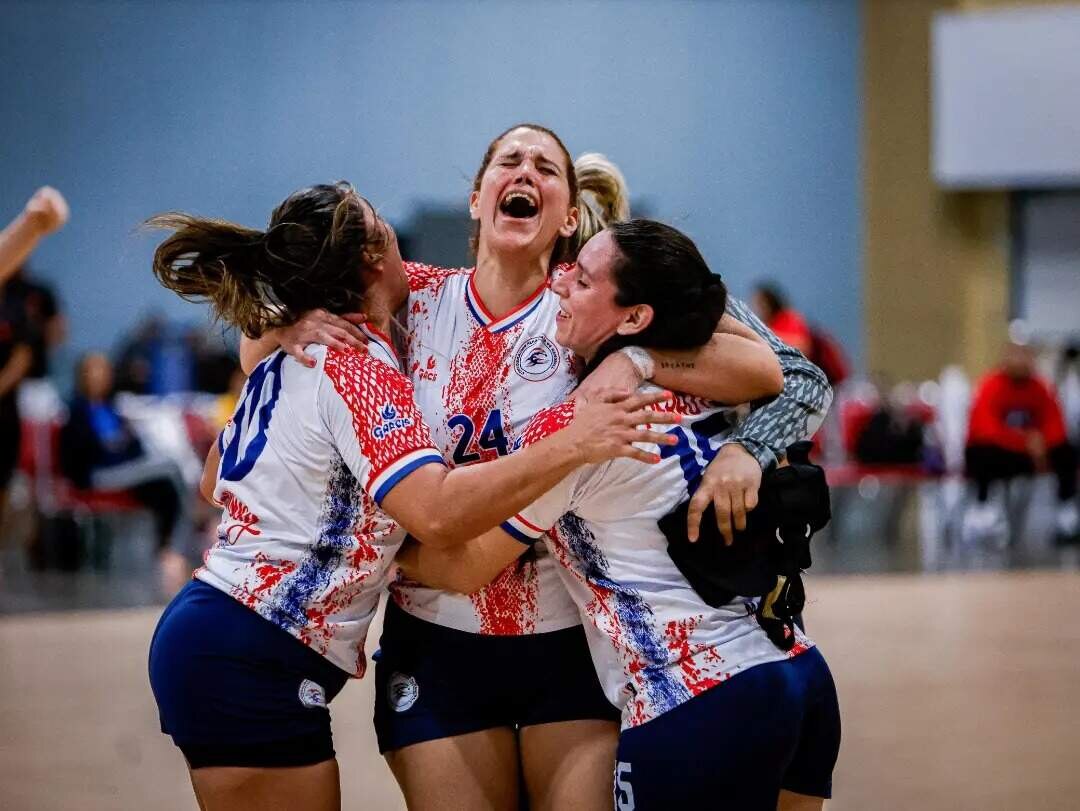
<point x="402" y="692"/>
<point x="537" y="359"/>
<point x="312" y="695"/>
<point x="390" y="422"/>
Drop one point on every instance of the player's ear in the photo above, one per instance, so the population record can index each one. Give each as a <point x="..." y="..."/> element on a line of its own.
<point x="636" y="320"/>
<point x="474" y="205"/>
<point x="569" y="227"/>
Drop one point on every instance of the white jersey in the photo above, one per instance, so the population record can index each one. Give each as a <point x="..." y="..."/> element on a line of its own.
<point x="654" y="641"/>
<point x="305" y="462"/>
<point x="479" y="381"/>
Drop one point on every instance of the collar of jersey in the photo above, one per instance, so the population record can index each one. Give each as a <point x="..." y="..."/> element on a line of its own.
<point x="486" y="319"/>
<point x="380" y="339"/>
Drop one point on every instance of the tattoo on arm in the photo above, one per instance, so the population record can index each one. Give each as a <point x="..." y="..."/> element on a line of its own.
<point x="677" y="364"/>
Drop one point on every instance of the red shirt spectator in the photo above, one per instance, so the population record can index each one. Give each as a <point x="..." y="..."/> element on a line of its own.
<point x="1007" y="409"/>
<point x="1016" y="429"/>
<point x="790" y="327"/>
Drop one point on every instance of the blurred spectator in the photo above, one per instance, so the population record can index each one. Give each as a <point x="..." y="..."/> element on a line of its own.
<point x="820" y="348"/>
<point x="1017" y="429"/>
<point x="895" y="432"/>
<point x="15" y="360"/>
<point x="99" y="449"/>
<point x="772" y="307"/>
<point x="214" y="364"/>
<point x="134" y="364"/>
<point x="45" y="323"/>
<point x="45" y="212"/>
<point x="157" y="358"/>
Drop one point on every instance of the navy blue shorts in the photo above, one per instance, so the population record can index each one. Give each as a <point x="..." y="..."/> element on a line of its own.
<point x="233" y="689"/>
<point x="433" y="682"/>
<point x="775" y="726"/>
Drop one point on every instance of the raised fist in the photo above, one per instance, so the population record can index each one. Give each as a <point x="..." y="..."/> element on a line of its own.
<point x="47" y="209"/>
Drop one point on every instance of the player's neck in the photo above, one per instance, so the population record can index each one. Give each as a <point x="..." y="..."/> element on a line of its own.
<point x="503" y="282"/>
<point x="378" y="311"/>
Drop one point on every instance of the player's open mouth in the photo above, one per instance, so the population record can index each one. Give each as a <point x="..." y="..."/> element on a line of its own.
<point x="562" y="315"/>
<point x="519" y="204"/>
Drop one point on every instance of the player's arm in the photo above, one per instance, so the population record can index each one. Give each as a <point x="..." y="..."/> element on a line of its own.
<point x="208" y="480"/>
<point x="731" y="368"/>
<point x="444" y="508"/>
<point x="799" y="409"/>
<point x="465" y="568"/>
<point x="319" y="326"/>
<point x="728" y="369"/>
<point x="380" y="433"/>
<point x="45" y="212"/>
<point x="468" y="567"/>
<point x="732" y="480"/>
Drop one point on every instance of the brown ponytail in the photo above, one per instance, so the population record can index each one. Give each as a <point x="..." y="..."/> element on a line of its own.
<point x="318" y="241"/>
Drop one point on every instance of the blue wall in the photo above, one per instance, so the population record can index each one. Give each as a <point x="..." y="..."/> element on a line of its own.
<point x="737" y="121"/>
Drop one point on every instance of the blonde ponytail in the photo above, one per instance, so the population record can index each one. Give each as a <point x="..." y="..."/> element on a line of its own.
<point x="603" y="197"/>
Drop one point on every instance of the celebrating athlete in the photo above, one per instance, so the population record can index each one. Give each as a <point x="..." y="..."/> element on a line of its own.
<point x="714" y="714"/>
<point x="321" y="472"/>
<point x="458" y="714"/>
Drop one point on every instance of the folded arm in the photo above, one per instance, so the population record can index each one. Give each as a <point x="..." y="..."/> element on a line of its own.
<point x="732" y="480"/>
<point x="465" y="568"/>
<point x="799" y="408"/>
<point x="444" y="508"/>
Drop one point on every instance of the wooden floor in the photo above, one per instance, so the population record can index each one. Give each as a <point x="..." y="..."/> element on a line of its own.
<point x="957" y="692"/>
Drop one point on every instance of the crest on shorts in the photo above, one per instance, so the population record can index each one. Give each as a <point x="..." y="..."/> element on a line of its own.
<point x="312" y="695"/>
<point x="402" y="692"/>
<point x="537" y="359"/>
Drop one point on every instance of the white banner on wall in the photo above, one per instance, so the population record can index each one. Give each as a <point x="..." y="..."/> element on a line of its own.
<point x="1005" y="88"/>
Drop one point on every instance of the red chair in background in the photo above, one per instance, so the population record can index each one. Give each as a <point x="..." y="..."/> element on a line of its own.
<point x="56" y="498"/>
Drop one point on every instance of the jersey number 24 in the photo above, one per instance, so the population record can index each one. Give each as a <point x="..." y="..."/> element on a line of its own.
<point x="492" y="437"/>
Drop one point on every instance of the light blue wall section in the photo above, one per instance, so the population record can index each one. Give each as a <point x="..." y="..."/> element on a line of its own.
<point x="737" y="121"/>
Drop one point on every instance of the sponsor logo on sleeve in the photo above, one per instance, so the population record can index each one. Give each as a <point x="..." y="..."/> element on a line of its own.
<point x="390" y="421"/>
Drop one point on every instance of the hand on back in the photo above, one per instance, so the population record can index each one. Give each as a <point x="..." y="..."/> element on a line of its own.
<point x="611" y="423"/>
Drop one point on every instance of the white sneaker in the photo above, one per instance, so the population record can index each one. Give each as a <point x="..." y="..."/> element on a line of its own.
<point x="984" y="521"/>
<point x="1068" y="519"/>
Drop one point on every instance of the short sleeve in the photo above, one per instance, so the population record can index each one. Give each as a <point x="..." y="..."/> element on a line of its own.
<point x="545" y="423"/>
<point x="370" y="411"/>
<point x="426" y="277"/>
<point x="530" y="524"/>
